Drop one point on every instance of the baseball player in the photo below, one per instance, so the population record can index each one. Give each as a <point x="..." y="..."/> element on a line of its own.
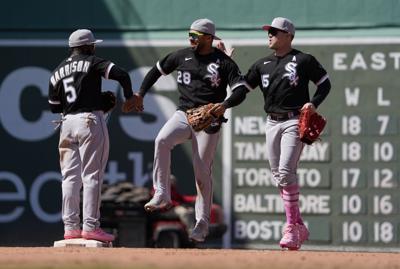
<point x="74" y="91"/>
<point x="203" y="73"/>
<point x="283" y="78"/>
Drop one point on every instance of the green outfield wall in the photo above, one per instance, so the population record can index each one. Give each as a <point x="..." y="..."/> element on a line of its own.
<point x="162" y="15"/>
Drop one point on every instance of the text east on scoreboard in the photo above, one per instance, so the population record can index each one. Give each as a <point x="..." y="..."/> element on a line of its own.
<point x="350" y="179"/>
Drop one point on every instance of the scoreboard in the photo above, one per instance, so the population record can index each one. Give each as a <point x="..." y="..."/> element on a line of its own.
<point x="350" y="179"/>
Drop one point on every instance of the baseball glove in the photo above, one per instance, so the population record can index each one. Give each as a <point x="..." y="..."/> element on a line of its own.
<point x="311" y="125"/>
<point x="200" y="117"/>
<point x="108" y="101"/>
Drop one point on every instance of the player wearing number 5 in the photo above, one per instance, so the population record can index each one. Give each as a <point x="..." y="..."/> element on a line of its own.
<point x="75" y="91"/>
<point x="283" y="78"/>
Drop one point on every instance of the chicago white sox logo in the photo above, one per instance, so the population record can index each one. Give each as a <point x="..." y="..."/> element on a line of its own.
<point x="291" y="73"/>
<point x="213" y="75"/>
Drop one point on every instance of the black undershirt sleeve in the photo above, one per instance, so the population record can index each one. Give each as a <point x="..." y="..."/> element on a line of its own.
<point x="321" y="92"/>
<point x="58" y="108"/>
<point x="123" y="78"/>
<point x="151" y="77"/>
<point x="238" y="95"/>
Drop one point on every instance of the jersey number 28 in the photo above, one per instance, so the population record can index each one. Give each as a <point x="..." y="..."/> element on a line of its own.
<point x="183" y="77"/>
<point x="69" y="89"/>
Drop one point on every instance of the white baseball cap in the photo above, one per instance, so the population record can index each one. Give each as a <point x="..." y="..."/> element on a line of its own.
<point x="205" y="26"/>
<point x="281" y="24"/>
<point x="82" y="37"/>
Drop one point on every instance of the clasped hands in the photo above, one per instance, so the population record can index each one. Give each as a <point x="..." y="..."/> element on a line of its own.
<point x="134" y="103"/>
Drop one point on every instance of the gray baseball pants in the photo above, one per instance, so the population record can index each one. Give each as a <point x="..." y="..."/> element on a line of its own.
<point x="283" y="150"/>
<point x="176" y="131"/>
<point x="83" y="147"/>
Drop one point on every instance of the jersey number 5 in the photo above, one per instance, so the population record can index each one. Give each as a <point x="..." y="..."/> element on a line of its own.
<point x="69" y="89"/>
<point x="265" y="80"/>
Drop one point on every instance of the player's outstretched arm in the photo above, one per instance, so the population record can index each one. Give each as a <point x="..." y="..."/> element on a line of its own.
<point x="151" y="77"/>
<point x="235" y="99"/>
<point x="120" y="75"/>
<point x="135" y="103"/>
<point x="221" y="46"/>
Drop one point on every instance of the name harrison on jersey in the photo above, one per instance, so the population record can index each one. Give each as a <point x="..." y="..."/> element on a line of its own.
<point x="68" y="69"/>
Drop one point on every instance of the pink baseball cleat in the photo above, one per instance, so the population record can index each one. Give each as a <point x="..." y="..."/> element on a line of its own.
<point x="98" y="234"/>
<point x="291" y="237"/>
<point x="71" y="234"/>
<point x="303" y="233"/>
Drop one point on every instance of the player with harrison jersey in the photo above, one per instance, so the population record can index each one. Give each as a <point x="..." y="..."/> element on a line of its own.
<point x="283" y="78"/>
<point x="203" y="74"/>
<point x="75" y="91"/>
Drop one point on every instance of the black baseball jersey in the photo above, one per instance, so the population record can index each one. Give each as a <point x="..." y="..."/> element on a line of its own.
<point x="76" y="83"/>
<point x="284" y="80"/>
<point x="202" y="79"/>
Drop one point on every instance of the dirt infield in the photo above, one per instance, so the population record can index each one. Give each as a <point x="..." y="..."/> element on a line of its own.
<point x="191" y="259"/>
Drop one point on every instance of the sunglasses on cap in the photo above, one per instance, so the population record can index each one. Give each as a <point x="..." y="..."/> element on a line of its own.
<point x="274" y="31"/>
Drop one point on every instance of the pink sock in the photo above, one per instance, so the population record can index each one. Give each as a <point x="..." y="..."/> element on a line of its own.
<point x="290" y="196"/>
<point x="299" y="218"/>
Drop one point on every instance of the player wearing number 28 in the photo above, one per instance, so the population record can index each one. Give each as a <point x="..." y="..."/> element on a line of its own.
<point x="203" y="74"/>
<point x="75" y="92"/>
<point x="283" y="78"/>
